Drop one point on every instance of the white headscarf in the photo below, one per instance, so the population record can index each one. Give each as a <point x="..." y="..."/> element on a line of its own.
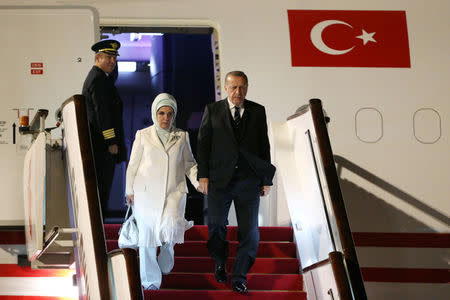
<point x="163" y="99"/>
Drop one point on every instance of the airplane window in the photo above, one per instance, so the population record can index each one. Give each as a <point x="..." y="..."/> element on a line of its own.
<point x="369" y="125"/>
<point x="427" y="126"/>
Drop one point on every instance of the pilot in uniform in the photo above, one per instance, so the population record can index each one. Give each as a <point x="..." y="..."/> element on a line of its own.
<point x="104" y="109"/>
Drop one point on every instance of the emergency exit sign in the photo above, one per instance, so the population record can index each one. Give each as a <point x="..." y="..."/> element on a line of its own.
<point x="37" y="68"/>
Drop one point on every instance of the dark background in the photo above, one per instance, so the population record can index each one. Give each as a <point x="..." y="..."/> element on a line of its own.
<point x="178" y="64"/>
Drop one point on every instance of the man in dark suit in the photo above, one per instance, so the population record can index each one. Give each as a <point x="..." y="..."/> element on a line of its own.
<point x="234" y="165"/>
<point x="104" y="109"/>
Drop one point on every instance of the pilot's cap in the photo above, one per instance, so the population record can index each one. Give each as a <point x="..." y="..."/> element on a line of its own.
<point x="107" y="46"/>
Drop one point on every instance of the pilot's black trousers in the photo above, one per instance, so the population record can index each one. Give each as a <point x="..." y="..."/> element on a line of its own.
<point x="244" y="190"/>
<point x="104" y="170"/>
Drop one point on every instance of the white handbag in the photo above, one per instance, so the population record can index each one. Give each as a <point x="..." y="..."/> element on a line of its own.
<point x="128" y="232"/>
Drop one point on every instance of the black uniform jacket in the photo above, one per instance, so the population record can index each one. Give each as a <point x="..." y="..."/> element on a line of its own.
<point x="219" y="147"/>
<point x="104" y="109"/>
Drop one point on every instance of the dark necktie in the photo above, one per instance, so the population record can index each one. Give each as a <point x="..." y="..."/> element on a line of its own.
<point x="237" y="116"/>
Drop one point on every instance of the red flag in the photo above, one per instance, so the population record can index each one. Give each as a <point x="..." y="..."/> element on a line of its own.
<point x="348" y="38"/>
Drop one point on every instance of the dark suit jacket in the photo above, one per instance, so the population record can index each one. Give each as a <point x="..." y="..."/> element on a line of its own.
<point x="219" y="149"/>
<point x="104" y="109"/>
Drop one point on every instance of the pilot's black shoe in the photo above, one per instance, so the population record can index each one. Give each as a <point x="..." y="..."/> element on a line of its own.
<point x="220" y="273"/>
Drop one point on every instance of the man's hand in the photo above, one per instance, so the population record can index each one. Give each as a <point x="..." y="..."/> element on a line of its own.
<point x="203" y="187"/>
<point x="265" y="190"/>
<point x="130" y="199"/>
<point x="113" y="149"/>
<point x="200" y="189"/>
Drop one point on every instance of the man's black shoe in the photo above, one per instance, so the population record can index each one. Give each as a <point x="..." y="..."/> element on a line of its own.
<point x="220" y="273"/>
<point x="240" y="287"/>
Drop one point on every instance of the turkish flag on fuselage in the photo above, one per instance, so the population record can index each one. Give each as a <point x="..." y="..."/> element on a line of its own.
<point x="342" y="38"/>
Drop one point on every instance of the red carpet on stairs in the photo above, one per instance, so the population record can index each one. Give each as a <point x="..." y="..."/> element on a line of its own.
<point x="274" y="276"/>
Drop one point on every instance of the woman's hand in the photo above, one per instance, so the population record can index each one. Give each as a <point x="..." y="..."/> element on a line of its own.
<point x="130" y="199"/>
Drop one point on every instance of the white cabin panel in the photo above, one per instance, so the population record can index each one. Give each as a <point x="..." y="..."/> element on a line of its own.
<point x="46" y="57"/>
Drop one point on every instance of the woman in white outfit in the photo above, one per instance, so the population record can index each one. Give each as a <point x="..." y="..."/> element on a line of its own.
<point x="160" y="160"/>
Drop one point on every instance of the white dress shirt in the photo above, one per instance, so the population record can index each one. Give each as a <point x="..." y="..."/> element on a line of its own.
<point x="232" y="109"/>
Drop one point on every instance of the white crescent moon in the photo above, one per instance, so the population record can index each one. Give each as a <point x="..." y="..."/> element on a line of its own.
<point x="316" y="37"/>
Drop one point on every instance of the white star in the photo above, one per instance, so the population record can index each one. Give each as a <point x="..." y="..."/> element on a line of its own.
<point x="366" y="37"/>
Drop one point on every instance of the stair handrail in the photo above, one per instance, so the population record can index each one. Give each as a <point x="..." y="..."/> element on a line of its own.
<point x="345" y="265"/>
<point x="132" y="269"/>
<point x="93" y="231"/>
<point x="52" y="235"/>
<point x="85" y="211"/>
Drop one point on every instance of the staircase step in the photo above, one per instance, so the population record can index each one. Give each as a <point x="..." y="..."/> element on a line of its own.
<point x="167" y="294"/>
<point x="198" y="248"/>
<point x="265" y="249"/>
<point x="261" y="265"/>
<point x="199" y="281"/>
<point x="200" y="233"/>
<point x="274" y="275"/>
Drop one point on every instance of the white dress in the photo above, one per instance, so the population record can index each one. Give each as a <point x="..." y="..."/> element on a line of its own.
<point x="156" y="176"/>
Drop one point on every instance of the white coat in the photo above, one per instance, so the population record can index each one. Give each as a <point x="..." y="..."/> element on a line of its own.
<point x="156" y="176"/>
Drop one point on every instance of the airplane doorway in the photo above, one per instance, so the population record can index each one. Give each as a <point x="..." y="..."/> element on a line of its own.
<point x="179" y="61"/>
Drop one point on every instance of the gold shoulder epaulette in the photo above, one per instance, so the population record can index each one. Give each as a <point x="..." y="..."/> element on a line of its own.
<point x="109" y="134"/>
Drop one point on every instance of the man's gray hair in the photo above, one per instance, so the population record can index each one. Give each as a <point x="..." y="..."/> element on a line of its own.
<point x="237" y="74"/>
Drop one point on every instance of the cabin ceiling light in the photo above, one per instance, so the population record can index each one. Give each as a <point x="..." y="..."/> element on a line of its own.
<point x="127" y="66"/>
<point x="135" y="37"/>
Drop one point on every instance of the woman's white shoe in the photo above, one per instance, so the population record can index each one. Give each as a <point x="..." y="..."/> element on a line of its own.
<point x="166" y="258"/>
<point x="149" y="268"/>
<point x="151" y="287"/>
